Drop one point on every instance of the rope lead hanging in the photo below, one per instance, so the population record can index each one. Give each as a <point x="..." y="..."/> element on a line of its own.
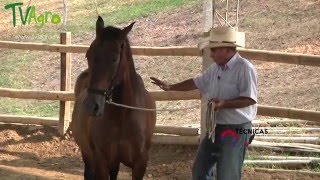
<point x="210" y="119"/>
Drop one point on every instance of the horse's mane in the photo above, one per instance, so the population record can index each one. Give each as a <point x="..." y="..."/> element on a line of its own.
<point x="111" y="33"/>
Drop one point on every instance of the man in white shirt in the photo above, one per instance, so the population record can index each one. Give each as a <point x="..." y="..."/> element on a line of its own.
<point x="231" y="83"/>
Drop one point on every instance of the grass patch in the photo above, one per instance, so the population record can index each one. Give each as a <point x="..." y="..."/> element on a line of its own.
<point x="114" y="13"/>
<point x="14" y="62"/>
<point x="257" y="155"/>
<point x="29" y="107"/>
<point x="12" y="75"/>
<point x="82" y="16"/>
<point x="314" y="167"/>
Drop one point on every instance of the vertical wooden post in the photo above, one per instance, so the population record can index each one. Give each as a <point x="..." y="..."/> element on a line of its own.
<point x="206" y="60"/>
<point x="65" y="84"/>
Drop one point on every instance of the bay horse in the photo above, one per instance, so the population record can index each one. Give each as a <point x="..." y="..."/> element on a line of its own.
<point x="108" y="135"/>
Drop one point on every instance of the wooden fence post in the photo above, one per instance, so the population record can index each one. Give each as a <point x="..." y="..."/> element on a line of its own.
<point x="65" y="84"/>
<point x="206" y="60"/>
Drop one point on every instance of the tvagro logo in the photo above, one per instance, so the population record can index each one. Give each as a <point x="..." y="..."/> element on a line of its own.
<point x="30" y="15"/>
<point x="235" y="134"/>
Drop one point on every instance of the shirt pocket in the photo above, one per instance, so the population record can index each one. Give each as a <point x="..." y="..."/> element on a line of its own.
<point x="228" y="91"/>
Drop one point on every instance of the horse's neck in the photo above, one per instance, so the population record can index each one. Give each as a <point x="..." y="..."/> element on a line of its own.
<point x="129" y="87"/>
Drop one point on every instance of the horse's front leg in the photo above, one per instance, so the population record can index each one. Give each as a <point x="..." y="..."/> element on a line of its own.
<point x="101" y="170"/>
<point x="140" y="167"/>
<point x="114" y="172"/>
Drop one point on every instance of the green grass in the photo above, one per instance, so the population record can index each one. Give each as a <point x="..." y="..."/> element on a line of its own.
<point x="134" y="11"/>
<point x="82" y="16"/>
<point x="11" y="77"/>
<point x="312" y="166"/>
<point x="315" y="167"/>
<point x="124" y="13"/>
<point x="29" y="107"/>
<point x="14" y="62"/>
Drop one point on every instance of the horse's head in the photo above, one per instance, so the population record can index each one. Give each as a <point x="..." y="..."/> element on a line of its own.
<point x="105" y="61"/>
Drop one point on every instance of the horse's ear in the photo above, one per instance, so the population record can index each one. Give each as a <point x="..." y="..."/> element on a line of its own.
<point x="99" y="26"/>
<point x="126" y="30"/>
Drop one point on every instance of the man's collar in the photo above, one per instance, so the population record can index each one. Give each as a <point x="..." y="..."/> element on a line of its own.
<point x="230" y="64"/>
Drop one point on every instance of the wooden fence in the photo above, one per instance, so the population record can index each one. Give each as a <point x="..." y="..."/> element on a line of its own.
<point x="186" y="135"/>
<point x="261" y="55"/>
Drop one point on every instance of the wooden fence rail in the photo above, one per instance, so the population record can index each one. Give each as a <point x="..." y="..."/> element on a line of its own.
<point x="65" y="48"/>
<point x="274" y="111"/>
<point x="175" y="130"/>
<point x="29" y="120"/>
<point x="69" y="96"/>
<point x="261" y="55"/>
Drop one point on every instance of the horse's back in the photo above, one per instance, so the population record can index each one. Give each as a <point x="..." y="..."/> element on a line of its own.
<point x="81" y="82"/>
<point x="80" y="94"/>
<point x="80" y="121"/>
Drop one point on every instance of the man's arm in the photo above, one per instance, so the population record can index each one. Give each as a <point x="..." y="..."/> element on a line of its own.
<point x="186" y="85"/>
<point x="239" y="102"/>
<point x="200" y="82"/>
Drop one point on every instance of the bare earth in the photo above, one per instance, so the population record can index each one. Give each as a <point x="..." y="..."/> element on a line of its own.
<point x="31" y="153"/>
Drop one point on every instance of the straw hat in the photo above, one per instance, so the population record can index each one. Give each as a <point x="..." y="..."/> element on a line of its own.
<point x="223" y="37"/>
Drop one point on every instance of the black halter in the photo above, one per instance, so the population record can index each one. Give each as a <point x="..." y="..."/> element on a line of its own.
<point x="108" y="93"/>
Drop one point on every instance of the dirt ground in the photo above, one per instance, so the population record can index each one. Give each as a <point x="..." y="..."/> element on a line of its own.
<point x="32" y="153"/>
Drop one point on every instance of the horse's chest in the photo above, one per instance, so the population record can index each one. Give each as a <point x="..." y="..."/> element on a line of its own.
<point x="117" y="131"/>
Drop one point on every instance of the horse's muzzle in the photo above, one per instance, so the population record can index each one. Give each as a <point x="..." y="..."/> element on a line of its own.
<point x="94" y="105"/>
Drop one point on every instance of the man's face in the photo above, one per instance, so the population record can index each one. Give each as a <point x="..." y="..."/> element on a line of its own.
<point x="220" y="55"/>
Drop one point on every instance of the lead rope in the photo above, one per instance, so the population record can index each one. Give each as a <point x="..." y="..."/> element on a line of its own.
<point x="210" y="119"/>
<point x="109" y="101"/>
<point x="147" y="109"/>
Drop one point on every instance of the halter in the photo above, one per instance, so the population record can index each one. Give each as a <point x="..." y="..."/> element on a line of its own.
<point x="108" y="93"/>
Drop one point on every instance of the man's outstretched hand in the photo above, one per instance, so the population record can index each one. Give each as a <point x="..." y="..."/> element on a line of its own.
<point x="164" y="86"/>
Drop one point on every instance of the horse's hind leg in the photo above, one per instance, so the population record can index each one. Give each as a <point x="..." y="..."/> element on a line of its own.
<point x="114" y="172"/>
